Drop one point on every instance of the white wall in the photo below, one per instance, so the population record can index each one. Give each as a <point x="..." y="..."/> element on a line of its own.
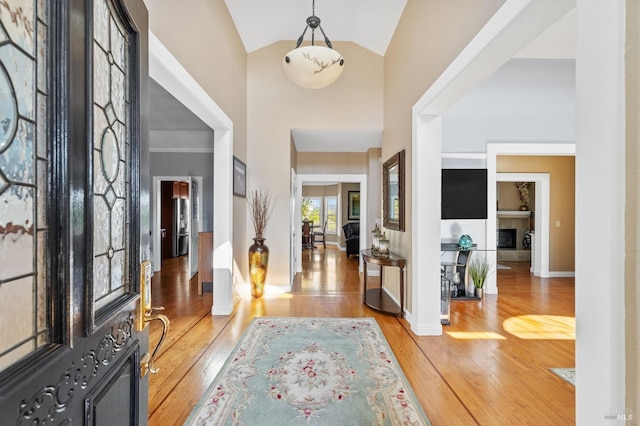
<point x="526" y="99"/>
<point x="600" y="193"/>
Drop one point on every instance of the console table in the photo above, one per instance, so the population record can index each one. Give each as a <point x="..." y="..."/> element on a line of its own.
<point x="375" y="298"/>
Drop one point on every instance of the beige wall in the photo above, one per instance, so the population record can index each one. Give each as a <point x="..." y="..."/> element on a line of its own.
<point x="374" y="191"/>
<point x="276" y="105"/>
<point x="332" y="163"/>
<point x="509" y="198"/>
<point x="562" y="202"/>
<point x="632" y="234"/>
<point x="430" y="34"/>
<point x="203" y="38"/>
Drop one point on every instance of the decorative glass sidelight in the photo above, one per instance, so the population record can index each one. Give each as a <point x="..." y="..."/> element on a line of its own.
<point x="24" y="188"/>
<point x="111" y="158"/>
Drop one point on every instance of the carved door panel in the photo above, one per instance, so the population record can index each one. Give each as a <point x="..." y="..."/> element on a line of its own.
<point x="74" y="193"/>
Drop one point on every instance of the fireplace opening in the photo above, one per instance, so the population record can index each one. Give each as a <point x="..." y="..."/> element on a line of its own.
<point x="507" y="238"/>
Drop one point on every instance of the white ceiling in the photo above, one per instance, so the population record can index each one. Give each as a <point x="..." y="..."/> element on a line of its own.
<point x="334" y="140"/>
<point x="369" y="23"/>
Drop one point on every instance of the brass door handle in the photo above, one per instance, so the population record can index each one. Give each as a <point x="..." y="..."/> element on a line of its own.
<point x="146" y="364"/>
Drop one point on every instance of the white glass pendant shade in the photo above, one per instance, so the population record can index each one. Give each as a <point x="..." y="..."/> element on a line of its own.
<point x="313" y="67"/>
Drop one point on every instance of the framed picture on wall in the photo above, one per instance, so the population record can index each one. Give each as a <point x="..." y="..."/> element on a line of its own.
<point x="354" y="205"/>
<point x="239" y="178"/>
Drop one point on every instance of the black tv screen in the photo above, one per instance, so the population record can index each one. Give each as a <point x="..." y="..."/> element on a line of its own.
<point x="464" y="193"/>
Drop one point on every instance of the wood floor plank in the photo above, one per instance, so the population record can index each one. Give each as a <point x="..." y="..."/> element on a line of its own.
<point x="490" y="367"/>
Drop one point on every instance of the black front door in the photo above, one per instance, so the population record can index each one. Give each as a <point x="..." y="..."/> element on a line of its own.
<point x="74" y="211"/>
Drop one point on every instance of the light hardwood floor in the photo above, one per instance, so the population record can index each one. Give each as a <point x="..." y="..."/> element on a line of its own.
<point x="490" y="367"/>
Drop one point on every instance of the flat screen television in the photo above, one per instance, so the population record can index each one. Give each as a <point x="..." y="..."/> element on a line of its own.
<point x="464" y="194"/>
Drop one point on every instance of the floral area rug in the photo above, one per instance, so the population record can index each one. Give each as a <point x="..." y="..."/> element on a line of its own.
<point x="329" y="371"/>
<point x="567" y="374"/>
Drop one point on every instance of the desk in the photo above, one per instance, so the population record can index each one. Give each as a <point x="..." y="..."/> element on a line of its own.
<point x="375" y="298"/>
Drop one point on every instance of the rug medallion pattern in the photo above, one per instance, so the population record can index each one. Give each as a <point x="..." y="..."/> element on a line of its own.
<point x="337" y="371"/>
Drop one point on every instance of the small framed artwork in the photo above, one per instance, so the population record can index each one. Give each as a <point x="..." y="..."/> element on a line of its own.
<point x="239" y="178"/>
<point x="354" y="205"/>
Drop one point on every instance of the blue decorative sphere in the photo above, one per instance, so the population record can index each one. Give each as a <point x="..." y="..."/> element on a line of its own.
<point x="465" y="242"/>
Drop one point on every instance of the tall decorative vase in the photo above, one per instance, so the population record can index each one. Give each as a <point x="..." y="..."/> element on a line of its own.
<point x="258" y="262"/>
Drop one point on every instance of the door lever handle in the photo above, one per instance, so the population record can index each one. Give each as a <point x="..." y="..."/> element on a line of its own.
<point x="146" y="364"/>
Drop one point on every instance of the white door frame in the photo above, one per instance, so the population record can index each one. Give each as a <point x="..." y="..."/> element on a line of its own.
<point x="511" y="28"/>
<point x="156" y="208"/>
<point x="156" y="244"/>
<point x="165" y="69"/>
<point x="328" y="178"/>
<point x="294" y="202"/>
<point x="542" y="205"/>
<point x="541" y="248"/>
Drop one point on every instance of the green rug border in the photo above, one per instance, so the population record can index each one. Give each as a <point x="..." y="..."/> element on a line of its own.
<point x="371" y="319"/>
<point x="558" y="371"/>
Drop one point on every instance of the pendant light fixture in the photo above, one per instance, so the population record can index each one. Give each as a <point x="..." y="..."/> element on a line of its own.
<point x="313" y="67"/>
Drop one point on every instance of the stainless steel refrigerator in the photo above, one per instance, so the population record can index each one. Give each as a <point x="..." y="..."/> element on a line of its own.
<point x="180" y="227"/>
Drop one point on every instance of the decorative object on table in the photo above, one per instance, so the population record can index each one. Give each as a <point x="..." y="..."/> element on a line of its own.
<point x="523" y="191"/>
<point x="479" y="268"/>
<point x="310" y="370"/>
<point x="383" y="248"/>
<point x="239" y="178"/>
<point x="465" y="242"/>
<point x="354" y="205"/>
<point x="260" y="207"/>
<point x="375" y="239"/>
<point x="313" y="67"/>
<point x="393" y="192"/>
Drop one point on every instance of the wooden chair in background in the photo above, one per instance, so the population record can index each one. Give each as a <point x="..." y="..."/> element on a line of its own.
<point x="319" y="236"/>
<point x="307" y="236"/>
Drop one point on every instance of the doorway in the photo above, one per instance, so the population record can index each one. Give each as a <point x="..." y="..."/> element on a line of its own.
<point x="319" y="179"/>
<point x="192" y="220"/>
<point x="518" y="220"/>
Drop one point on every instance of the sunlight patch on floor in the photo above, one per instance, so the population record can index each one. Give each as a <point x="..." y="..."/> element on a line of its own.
<point x="541" y="327"/>
<point x="475" y="335"/>
<point x="270" y="291"/>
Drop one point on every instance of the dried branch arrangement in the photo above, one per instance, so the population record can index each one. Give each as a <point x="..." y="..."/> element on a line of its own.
<point x="260" y="207"/>
<point x="523" y="189"/>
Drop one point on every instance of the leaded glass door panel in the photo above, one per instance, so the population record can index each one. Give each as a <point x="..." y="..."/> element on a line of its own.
<point x="73" y="190"/>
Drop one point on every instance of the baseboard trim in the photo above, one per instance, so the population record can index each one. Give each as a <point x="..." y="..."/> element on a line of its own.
<point x="373" y="273"/>
<point x="427" y="329"/>
<point x="562" y="274"/>
<point x="222" y="310"/>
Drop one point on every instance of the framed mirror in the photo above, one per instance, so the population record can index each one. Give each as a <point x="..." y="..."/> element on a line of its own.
<point x="393" y="192"/>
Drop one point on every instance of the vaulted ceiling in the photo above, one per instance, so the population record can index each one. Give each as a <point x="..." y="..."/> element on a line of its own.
<point x="369" y="23"/>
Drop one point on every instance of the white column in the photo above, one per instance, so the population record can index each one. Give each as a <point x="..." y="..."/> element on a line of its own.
<point x="425" y="245"/>
<point x="600" y="198"/>
<point x="222" y="223"/>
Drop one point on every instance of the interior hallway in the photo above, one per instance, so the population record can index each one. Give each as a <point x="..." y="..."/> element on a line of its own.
<point x="490" y="367"/>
